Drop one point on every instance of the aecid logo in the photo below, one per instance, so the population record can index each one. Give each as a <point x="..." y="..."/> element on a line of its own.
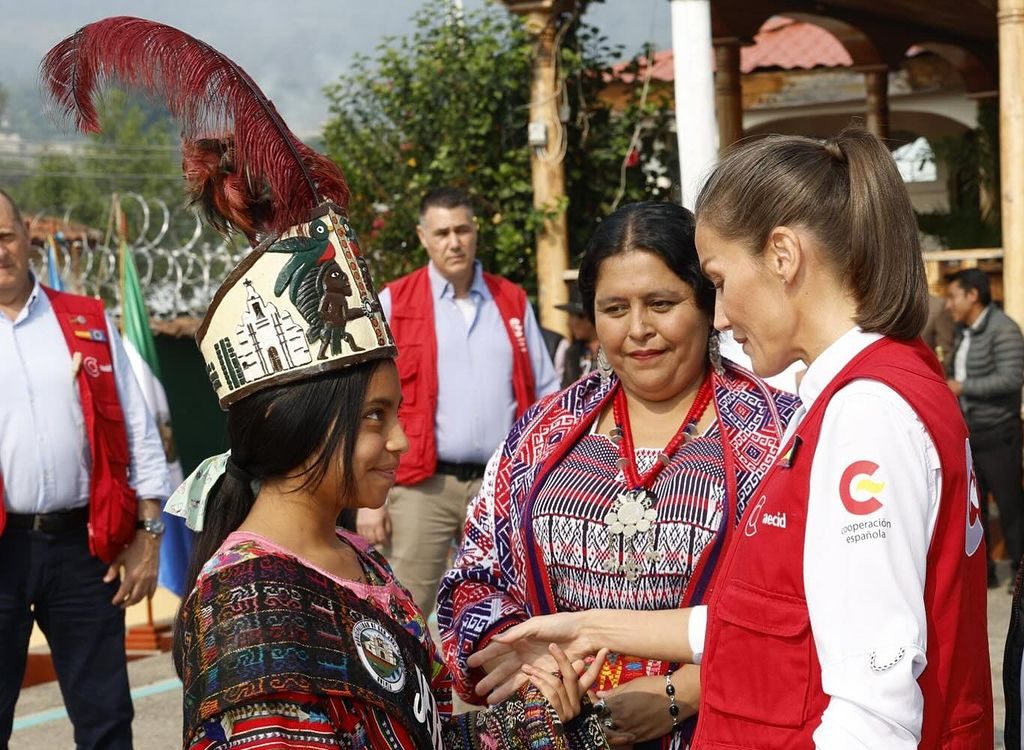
<point x="775" y="520"/>
<point x="755" y="512"/>
<point x="91" y="366"/>
<point x="858" y="488"/>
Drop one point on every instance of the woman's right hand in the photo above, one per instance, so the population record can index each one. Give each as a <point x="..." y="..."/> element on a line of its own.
<point x="566" y="687"/>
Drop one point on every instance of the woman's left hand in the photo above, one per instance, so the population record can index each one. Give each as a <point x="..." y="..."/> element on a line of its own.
<point x="638" y="710"/>
<point x="565" y="688"/>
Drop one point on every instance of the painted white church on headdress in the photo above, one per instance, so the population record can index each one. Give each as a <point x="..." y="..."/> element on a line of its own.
<point x="268" y="341"/>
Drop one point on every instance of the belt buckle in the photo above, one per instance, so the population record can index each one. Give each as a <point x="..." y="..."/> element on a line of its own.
<point x="37" y="522"/>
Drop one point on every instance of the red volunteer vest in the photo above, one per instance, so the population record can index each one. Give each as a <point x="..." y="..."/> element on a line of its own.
<point x="412" y="325"/>
<point x="761" y="680"/>
<point x="112" y="501"/>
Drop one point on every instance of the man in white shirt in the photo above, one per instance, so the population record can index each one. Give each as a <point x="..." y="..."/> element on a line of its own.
<point x="77" y="446"/>
<point x="472" y="359"/>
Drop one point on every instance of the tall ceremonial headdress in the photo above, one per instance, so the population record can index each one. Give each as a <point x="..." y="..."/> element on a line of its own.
<point x="302" y="302"/>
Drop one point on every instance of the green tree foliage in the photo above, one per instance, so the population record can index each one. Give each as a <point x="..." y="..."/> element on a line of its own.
<point x="135" y="152"/>
<point x="972" y="165"/>
<point x="449" y="105"/>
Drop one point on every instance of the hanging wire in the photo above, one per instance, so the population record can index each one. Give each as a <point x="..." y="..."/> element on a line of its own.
<point x="559" y="134"/>
<point x="634" y="140"/>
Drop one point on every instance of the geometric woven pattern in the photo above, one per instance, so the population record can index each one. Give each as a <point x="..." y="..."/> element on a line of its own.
<point x="520" y="536"/>
<point x="272" y="660"/>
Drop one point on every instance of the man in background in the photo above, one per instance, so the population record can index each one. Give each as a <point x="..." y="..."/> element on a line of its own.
<point x="77" y="448"/>
<point x="581" y="356"/>
<point x="471" y="360"/>
<point x="987" y="375"/>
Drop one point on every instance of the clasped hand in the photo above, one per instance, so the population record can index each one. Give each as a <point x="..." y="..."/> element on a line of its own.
<point x="565" y="686"/>
<point x="527" y="644"/>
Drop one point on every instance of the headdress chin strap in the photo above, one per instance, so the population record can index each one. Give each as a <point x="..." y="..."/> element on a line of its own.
<point x="189" y="500"/>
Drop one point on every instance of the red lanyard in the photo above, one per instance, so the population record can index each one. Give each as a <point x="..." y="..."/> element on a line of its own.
<point x="622" y="435"/>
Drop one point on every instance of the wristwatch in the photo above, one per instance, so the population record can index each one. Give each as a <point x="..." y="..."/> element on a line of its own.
<point x="154" y="526"/>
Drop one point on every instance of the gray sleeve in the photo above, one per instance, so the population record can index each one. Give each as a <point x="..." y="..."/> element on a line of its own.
<point x="1008" y="376"/>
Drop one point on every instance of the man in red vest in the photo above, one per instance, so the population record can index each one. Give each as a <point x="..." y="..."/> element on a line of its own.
<point x="82" y="476"/>
<point x="471" y="358"/>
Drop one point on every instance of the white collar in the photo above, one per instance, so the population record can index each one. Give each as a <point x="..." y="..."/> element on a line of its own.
<point x="33" y="297"/>
<point x="441" y="287"/>
<point x="831" y="361"/>
<point x="979" y="321"/>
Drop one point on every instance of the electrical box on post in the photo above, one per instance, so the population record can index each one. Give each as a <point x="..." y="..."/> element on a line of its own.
<point x="537" y="134"/>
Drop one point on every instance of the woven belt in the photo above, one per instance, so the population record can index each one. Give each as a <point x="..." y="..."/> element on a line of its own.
<point x="462" y="472"/>
<point x="52" y="523"/>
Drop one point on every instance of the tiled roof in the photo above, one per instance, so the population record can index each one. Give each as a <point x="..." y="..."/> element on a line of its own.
<point x="784" y="43"/>
<point x="780" y="43"/>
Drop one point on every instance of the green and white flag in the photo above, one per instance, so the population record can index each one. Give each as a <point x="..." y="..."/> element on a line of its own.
<point x="135" y="319"/>
<point x="140" y="347"/>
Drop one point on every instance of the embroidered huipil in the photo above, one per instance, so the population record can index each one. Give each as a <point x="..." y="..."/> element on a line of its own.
<point x="536" y="540"/>
<point x="579" y="550"/>
<point x="265" y="665"/>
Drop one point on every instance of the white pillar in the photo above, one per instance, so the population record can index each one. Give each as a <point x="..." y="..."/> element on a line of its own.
<point x="696" y="127"/>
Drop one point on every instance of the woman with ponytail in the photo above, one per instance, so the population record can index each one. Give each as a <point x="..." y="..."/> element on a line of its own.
<point x="851" y="611"/>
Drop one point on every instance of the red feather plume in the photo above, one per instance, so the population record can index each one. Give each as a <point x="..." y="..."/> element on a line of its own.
<point x="213" y="100"/>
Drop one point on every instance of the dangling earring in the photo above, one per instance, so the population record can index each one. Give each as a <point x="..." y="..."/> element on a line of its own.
<point x="604" y="367"/>
<point x="715" y="352"/>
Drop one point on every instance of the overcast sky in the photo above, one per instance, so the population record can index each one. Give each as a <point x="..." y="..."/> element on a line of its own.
<point x="292" y="48"/>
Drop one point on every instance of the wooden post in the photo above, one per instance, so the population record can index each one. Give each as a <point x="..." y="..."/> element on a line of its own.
<point x="1011" y="137"/>
<point x="548" y="170"/>
<point x="876" y="82"/>
<point x="728" y="92"/>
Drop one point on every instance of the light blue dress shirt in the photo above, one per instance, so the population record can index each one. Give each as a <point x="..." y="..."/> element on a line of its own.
<point x="44" y="452"/>
<point x="476" y="405"/>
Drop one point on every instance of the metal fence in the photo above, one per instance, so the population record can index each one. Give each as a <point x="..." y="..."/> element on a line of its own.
<point x="178" y="276"/>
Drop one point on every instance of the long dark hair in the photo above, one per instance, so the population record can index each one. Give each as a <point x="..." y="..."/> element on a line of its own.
<point x="272" y="433"/>
<point x="662" y="229"/>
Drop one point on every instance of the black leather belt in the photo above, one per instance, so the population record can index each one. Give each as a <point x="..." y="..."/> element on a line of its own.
<point x="52" y="523"/>
<point x="462" y="472"/>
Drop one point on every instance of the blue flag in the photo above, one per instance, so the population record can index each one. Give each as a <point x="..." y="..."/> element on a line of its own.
<point x="55" y="281"/>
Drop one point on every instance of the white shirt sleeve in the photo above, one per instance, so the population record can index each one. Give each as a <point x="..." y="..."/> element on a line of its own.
<point x="148" y="467"/>
<point x="385" y="302"/>
<point x="874" y="499"/>
<point x="697" y="630"/>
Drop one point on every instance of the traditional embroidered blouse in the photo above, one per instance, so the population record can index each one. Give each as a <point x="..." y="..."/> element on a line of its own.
<point x="584" y="559"/>
<point x="283" y="649"/>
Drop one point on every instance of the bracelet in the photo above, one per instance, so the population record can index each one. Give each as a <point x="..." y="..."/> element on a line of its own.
<point x="670" y="691"/>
